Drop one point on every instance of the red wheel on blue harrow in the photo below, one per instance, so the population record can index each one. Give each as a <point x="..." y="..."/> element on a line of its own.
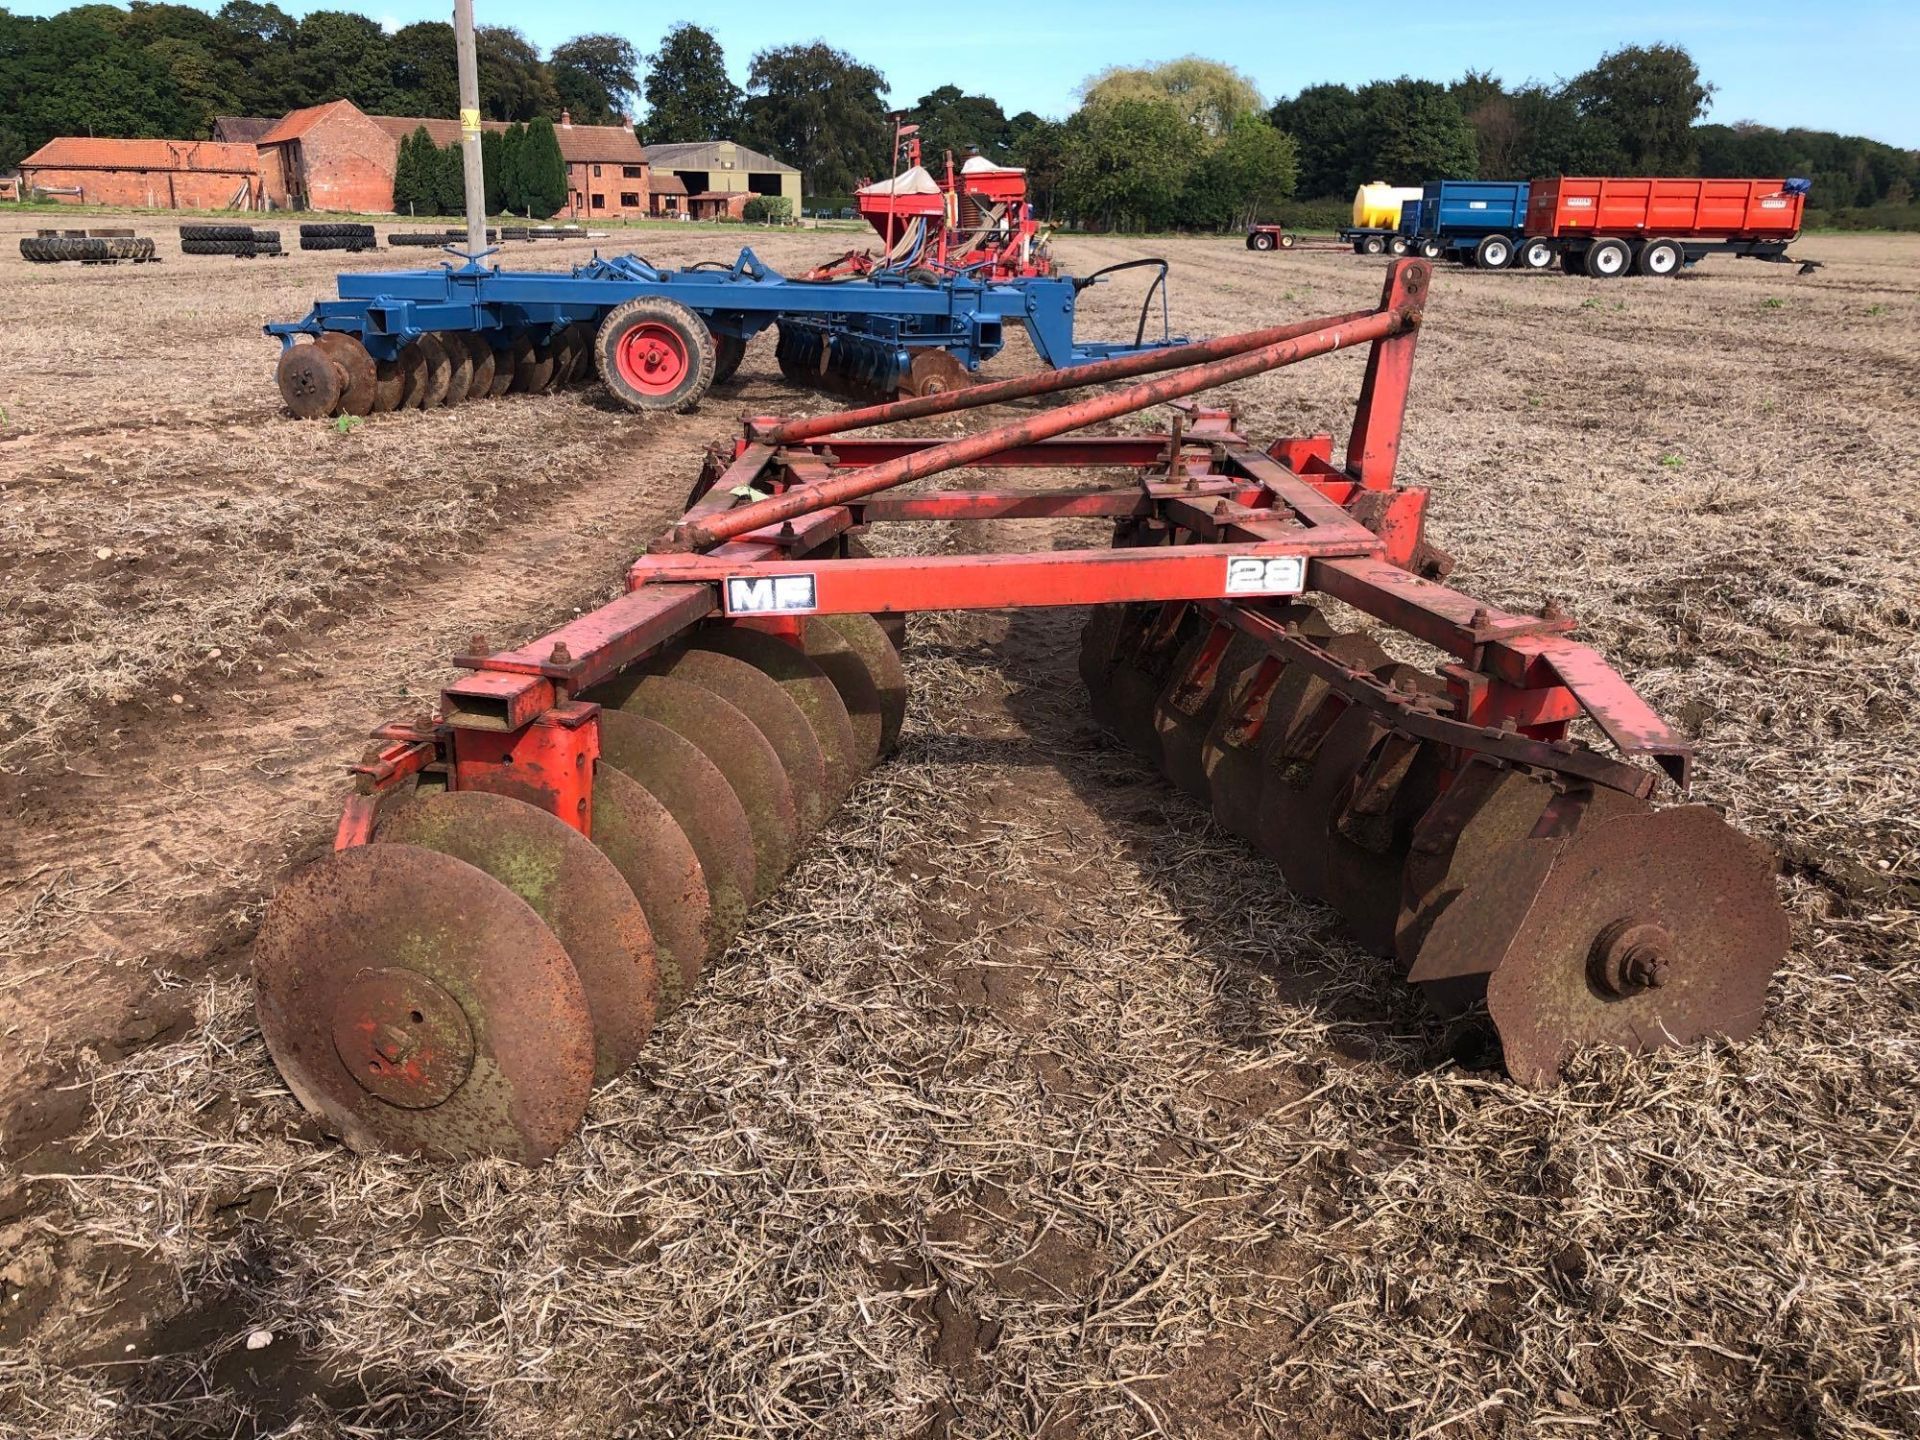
<point x="311" y="381"/>
<point x="654" y="354"/>
<point x="358" y="395"/>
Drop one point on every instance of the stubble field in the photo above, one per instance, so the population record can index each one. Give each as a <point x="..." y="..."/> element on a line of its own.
<point x="1032" y="1104"/>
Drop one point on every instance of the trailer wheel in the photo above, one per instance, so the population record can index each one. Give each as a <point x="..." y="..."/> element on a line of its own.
<point x="1494" y="252"/>
<point x="1535" y="254"/>
<point x="1430" y="250"/>
<point x="1375" y="245"/>
<point x="1660" y="258"/>
<point x="1397" y="245"/>
<point x="1263" y="241"/>
<point x="1359" y="247"/>
<point x="1607" y="258"/>
<point x="654" y="354"/>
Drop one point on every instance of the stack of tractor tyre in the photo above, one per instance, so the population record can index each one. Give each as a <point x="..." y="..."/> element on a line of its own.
<point x="452" y="237"/>
<point x="101" y="247"/>
<point x="242" y="241"/>
<point x="333" y="236"/>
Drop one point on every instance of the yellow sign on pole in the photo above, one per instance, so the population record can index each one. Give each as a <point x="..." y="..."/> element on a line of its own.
<point x="470" y="122"/>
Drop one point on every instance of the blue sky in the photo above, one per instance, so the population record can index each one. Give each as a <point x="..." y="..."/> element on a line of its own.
<point x="1846" y="65"/>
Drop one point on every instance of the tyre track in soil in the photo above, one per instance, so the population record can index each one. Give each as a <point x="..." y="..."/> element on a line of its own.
<point x="146" y="864"/>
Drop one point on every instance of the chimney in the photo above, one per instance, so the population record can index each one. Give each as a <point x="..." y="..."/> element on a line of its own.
<point x="566" y="120"/>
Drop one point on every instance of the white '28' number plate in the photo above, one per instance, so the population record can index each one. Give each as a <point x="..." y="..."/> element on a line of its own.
<point x="1266" y="574"/>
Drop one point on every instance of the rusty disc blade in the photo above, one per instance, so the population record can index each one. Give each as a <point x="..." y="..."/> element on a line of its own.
<point x="934" y="372"/>
<point x="532" y="366"/>
<point x="389" y="385"/>
<point x="560" y="352"/>
<point x="761" y="699"/>
<point x="1300" y="715"/>
<point x="412" y="361"/>
<point x="460" y="373"/>
<point x="362" y="379"/>
<point x="570" y="885"/>
<point x="580" y="339"/>
<point x="1370" y="826"/>
<point x="889" y="677"/>
<point x="417" y="1005"/>
<point x="481" y="353"/>
<point x="699" y="798"/>
<point x="1647" y="930"/>
<point x="806" y="685"/>
<point x="310" y="381"/>
<point x="727" y="736"/>
<point x="503" y="371"/>
<point x="439" y="371"/>
<point x="1488" y="807"/>
<point x="847" y="669"/>
<point x="648" y="847"/>
<point x="894" y="622"/>
<point x="1098" y="637"/>
<point x="1184" y="712"/>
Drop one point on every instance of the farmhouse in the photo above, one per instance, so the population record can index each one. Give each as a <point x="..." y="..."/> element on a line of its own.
<point x="158" y="174"/>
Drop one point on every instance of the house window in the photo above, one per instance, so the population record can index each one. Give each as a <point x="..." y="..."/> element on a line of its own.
<point x="630" y="172"/>
<point x="596" y="172"/>
<point x="599" y="202"/>
<point x="629" y="199"/>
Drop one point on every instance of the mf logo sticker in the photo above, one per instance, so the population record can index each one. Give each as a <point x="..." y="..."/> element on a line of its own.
<point x="770" y="594"/>
<point x="1266" y="575"/>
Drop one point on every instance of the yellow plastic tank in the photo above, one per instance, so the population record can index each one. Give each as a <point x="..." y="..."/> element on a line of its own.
<point x="1377" y="206"/>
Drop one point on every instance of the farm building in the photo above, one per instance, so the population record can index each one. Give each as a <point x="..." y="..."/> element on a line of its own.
<point x="720" y="176"/>
<point x="159" y="174"/>
<point x="606" y="168"/>
<point x="329" y="157"/>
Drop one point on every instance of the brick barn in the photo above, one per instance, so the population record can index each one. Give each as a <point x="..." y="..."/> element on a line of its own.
<point x="329" y="157"/>
<point x="149" y="174"/>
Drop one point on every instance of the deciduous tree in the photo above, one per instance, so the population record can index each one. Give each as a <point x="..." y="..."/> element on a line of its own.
<point x="819" y="109"/>
<point x="1649" y="97"/>
<point x="689" y="96"/>
<point x="593" y="75"/>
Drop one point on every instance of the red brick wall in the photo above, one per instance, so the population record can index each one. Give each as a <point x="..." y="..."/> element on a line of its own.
<point x="609" y="187"/>
<point x="158" y="189"/>
<point x="345" y="162"/>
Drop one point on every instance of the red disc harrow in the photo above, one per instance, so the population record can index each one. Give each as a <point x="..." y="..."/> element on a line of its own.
<point x="525" y="879"/>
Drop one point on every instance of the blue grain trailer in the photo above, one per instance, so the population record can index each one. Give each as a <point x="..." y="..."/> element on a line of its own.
<point x="1477" y="222"/>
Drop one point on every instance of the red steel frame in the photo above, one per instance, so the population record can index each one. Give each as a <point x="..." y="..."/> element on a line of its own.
<point x="1208" y="512"/>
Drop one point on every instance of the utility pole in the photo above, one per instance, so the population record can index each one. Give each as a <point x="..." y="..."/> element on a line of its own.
<point x="470" y="126"/>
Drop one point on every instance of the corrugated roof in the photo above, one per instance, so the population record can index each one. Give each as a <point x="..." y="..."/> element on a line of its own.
<point x="296" y="123"/>
<point x="707" y="155"/>
<point x="242" y="129"/>
<point x="87" y="152"/>
<point x="579" y="144"/>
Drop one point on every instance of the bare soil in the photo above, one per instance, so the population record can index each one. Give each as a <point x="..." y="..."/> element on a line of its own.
<point x="1033" y="1103"/>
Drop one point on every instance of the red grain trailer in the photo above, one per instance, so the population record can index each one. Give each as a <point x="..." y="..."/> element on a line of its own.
<point x="1606" y="227"/>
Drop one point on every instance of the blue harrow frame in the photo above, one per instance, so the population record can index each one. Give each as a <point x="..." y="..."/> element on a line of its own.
<point x="867" y="332"/>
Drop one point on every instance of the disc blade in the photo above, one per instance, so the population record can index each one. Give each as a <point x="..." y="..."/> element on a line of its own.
<point x="1648" y="930"/>
<point x="460" y="371"/>
<point x="846" y="668"/>
<point x="532" y="366"/>
<point x="570" y="885"/>
<point x="889" y="677"/>
<point x="390" y="386"/>
<point x="1097" y="640"/>
<point x="650" y="850"/>
<point x="417" y="1005"/>
<point x="412" y="361"/>
<point x="357" y="398"/>
<point x="806" y="685"/>
<point x="502" y="365"/>
<point x="729" y="738"/>
<point x="310" y="382"/>
<point x="481" y="354"/>
<point x="699" y="798"/>
<point x="439" y="371"/>
<point x="760" y="697"/>
<point x="1196" y="688"/>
